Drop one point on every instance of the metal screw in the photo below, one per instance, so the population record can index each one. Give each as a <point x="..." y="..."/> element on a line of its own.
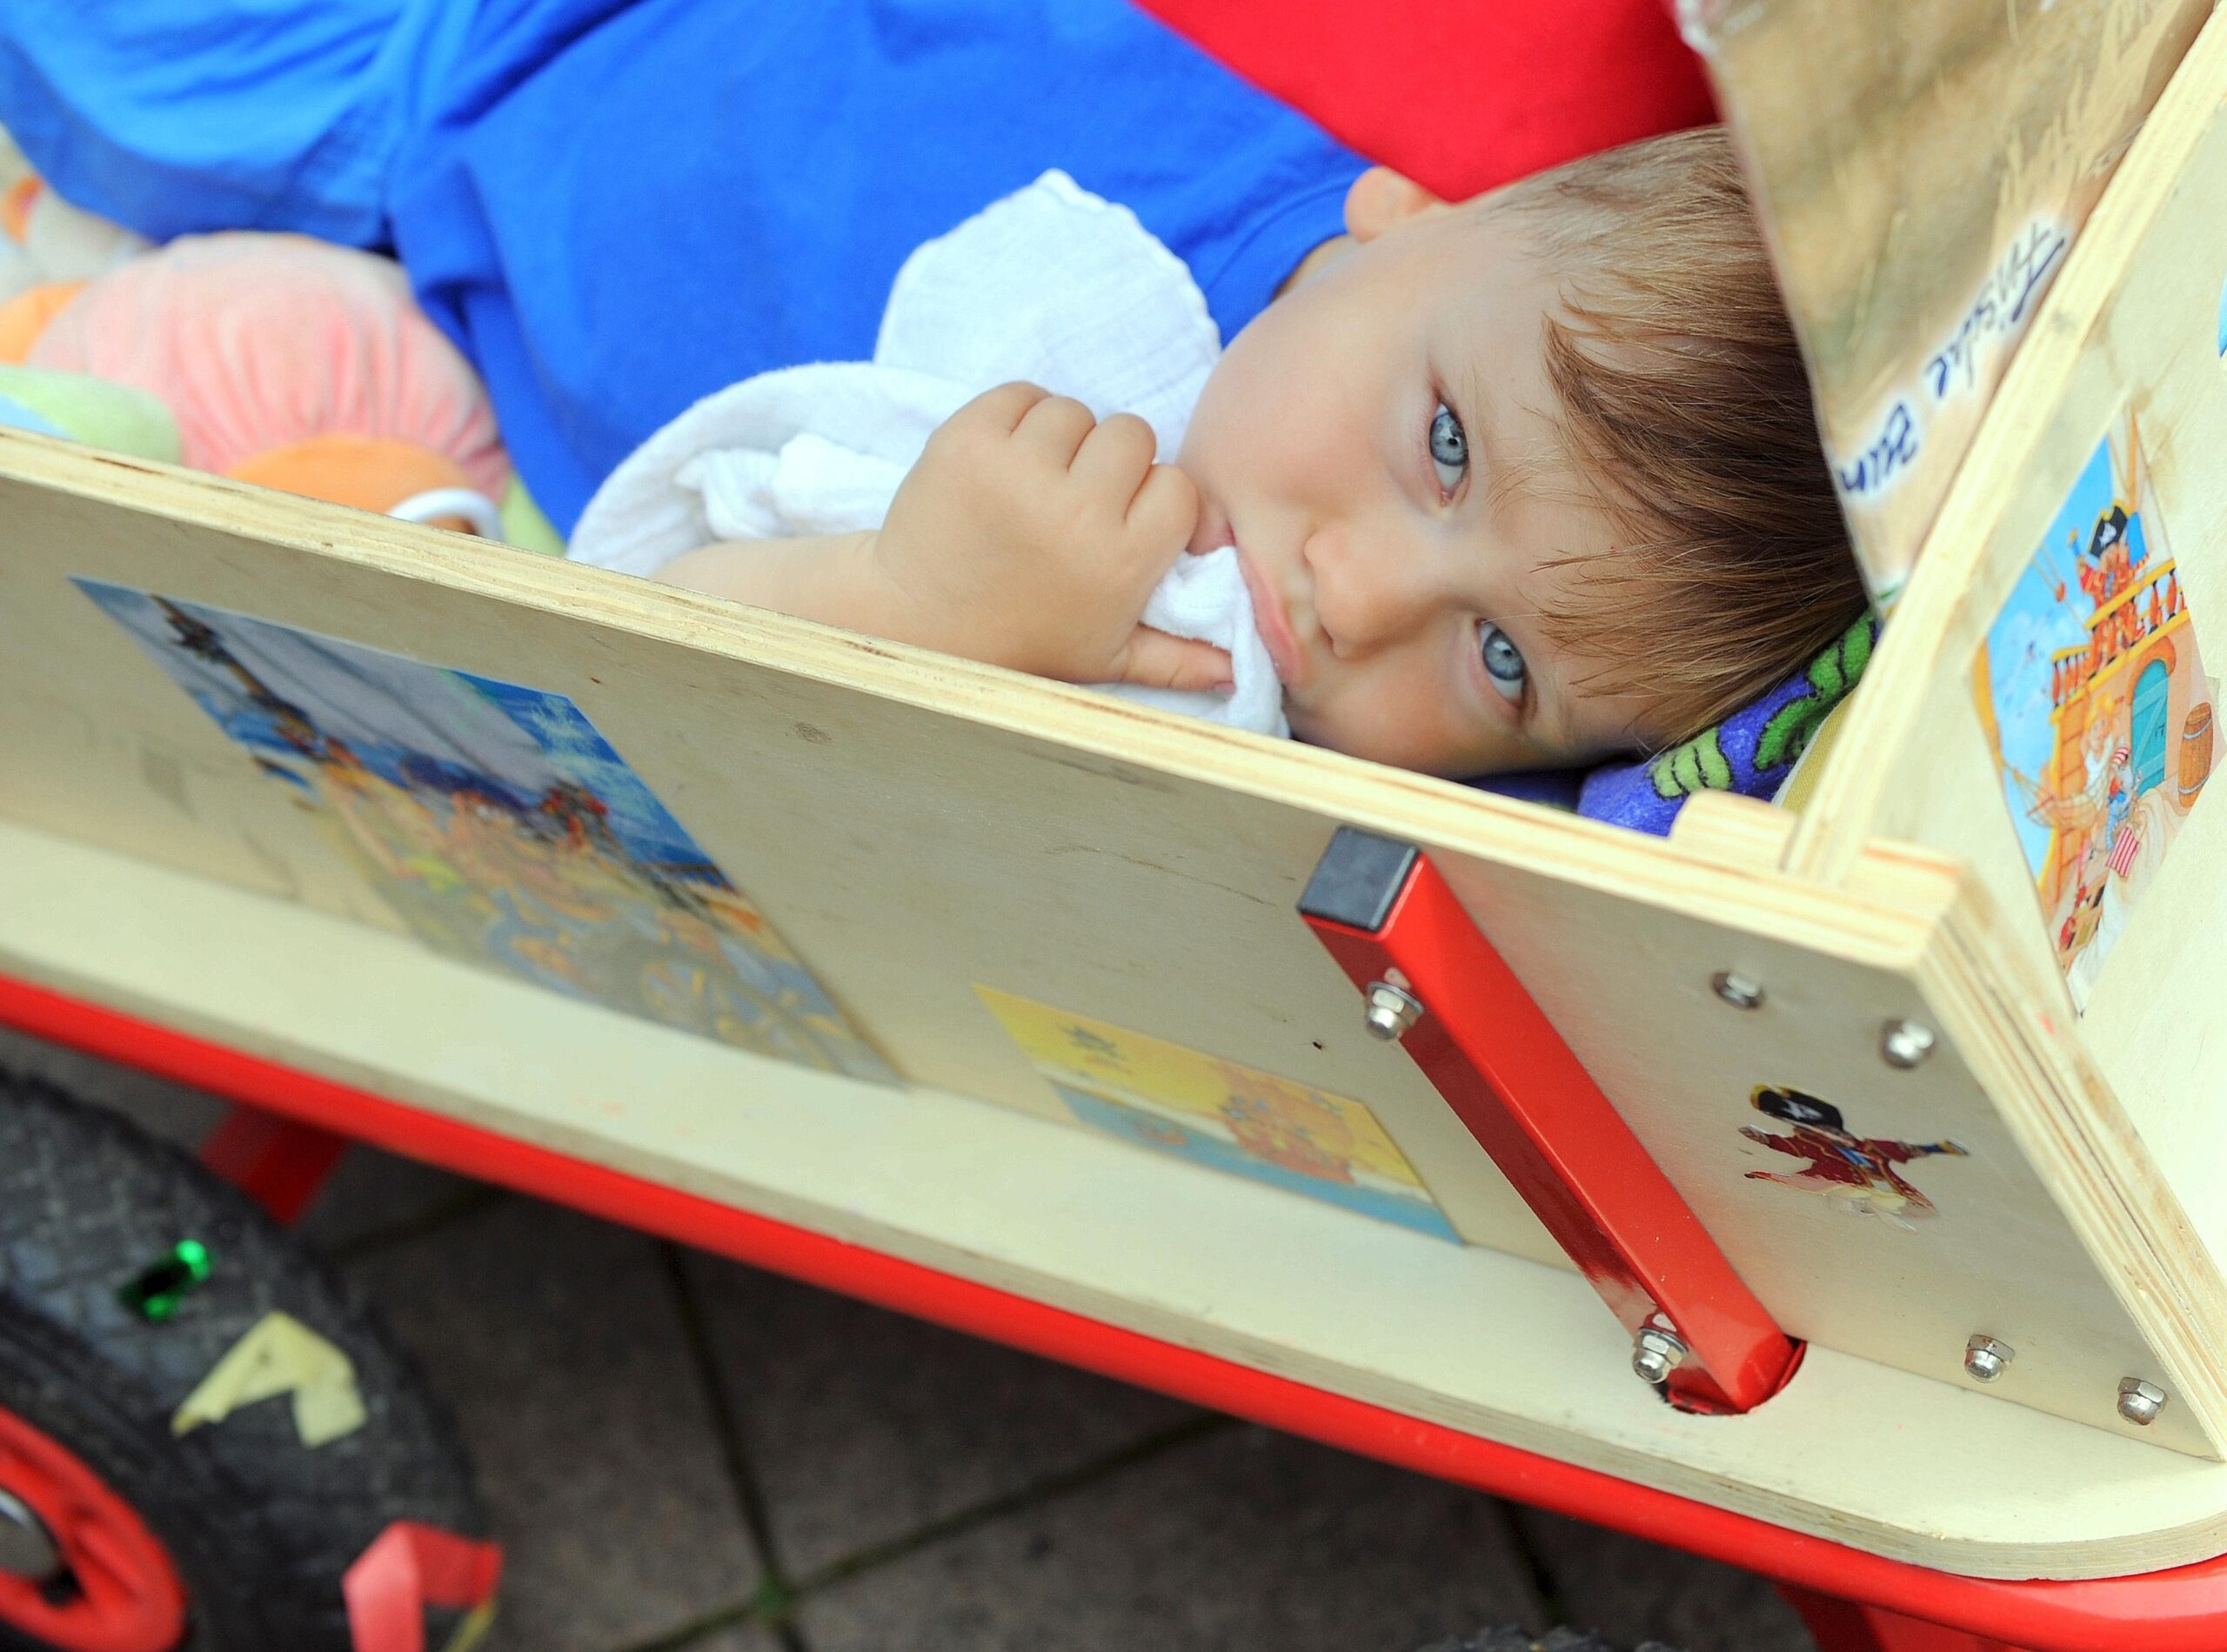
<point x="1904" y="1044"/>
<point x="26" y="1550"/>
<point x="1656" y="1353"/>
<point x="2140" y="1401"/>
<point x="1737" y="990"/>
<point x="1392" y="1010"/>
<point x="1984" y="1358"/>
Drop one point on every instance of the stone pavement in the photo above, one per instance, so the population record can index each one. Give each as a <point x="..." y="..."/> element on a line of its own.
<point x="682" y="1453"/>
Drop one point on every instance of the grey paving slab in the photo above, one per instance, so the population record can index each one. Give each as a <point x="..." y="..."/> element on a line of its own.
<point x="374" y="1196"/>
<point x="1632" y="1591"/>
<point x="1243" y="1539"/>
<point x="737" y="1641"/>
<point x="555" y="1342"/>
<point x="863" y="1424"/>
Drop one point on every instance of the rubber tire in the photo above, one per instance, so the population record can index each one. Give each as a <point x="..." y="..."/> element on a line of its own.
<point x="259" y="1526"/>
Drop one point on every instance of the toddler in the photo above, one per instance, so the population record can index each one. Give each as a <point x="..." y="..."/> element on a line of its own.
<point x="1529" y="481"/>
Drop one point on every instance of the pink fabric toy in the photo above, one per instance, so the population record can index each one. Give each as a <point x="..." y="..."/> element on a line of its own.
<point x="261" y="342"/>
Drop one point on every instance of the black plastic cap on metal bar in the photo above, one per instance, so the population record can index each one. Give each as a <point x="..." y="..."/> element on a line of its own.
<point x="1357" y="879"/>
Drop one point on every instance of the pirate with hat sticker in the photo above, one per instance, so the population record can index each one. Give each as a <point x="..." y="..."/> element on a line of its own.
<point x="1856" y="1172"/>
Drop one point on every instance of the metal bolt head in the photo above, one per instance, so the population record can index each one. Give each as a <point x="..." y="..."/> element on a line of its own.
<point x="1984" y="1358"/>
<point x="1657" y="1354"/>
<point x="26" y="1549"/>
<point x="1904" y="1044"/>
<point x="1737" y="989"/>
<point x="1392" y="1010"/>
<point x="2140" y="1401"/>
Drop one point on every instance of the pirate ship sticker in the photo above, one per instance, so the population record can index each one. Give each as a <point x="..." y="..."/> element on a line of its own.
<point x="1863" y="1176"/>
<point x="499" y="826"/>
<point x="1188" y="1105"/>
<point x="2098" y="706"/>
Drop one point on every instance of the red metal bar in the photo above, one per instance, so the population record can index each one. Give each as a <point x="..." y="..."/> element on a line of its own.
<point x="1851" y="1626"/>
<point x="279" y="1162"/>
<point x="1383" y="910"/>
<point x="2181" y="1610"/>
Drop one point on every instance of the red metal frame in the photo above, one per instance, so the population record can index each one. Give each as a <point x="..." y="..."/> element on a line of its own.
<point x="1851" y="1626"/>
<point x="2181" y="1610"/>
<point x="1489" y="1049"/>
<point x="279" y="1162"/>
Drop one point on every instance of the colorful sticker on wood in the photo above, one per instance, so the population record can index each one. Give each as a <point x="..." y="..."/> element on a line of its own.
<point x="500" y="827"/>
<point x="2098" y="706"/>
<point x="1214" y="1112"/>
<point x="1859" y="1175"/>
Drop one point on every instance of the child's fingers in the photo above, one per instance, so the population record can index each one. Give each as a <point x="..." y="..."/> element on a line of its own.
<point x="1157" y="660"/>
<point x="1166" y="507"/>
<point x="1116" y="457"/>
<point x="1054" y="429"/>
<point x="1003" y="407"/>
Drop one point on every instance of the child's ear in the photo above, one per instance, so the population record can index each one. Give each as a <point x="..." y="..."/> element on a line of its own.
<point x="1380" y="199"/>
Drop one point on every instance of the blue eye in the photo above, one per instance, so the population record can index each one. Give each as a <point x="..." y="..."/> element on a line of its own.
<point x="1450" y="448"/>
<point x="1504" y="666"/>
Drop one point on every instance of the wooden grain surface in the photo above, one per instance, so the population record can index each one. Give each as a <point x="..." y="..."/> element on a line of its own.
<point x="915" y="825"/>
<point x="1471" y="1337"/>
<point x="1905" y="152"/>
<point x="2132" y="323"/>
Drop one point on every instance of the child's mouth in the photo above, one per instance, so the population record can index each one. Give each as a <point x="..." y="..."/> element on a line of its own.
<point x="1274" y="622"/>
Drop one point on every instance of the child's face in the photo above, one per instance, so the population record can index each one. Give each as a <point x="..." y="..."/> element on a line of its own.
<point x="1374" y="443"/>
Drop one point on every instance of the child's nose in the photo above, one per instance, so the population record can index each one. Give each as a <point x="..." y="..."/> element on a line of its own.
<point x="1369" y="590"/>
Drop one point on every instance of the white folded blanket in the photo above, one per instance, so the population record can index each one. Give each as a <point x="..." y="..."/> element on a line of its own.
<point x="1051" y="284"/>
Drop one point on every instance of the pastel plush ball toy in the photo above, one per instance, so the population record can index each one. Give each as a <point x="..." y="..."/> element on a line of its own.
<point x="265" y="348"/>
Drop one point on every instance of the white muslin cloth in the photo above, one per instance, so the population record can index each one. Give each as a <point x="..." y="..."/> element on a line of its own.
<point x="1051" y="284"/>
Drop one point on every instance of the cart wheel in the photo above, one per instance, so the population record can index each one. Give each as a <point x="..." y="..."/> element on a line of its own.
<point x="127" y="1273"/>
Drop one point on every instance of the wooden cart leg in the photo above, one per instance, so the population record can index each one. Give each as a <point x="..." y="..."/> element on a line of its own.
<point x="1851" y="1626"/>
<point x="278" y="1162"/>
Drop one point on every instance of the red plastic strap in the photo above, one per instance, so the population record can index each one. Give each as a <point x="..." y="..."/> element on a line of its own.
<point x="1462" y="97"/>
<point x="408" y="1567"/>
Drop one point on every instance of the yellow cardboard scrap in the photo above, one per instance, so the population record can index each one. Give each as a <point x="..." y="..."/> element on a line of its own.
<point x="278" y="1356"/>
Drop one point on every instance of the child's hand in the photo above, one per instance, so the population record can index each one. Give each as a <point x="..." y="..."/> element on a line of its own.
<point x="1031" y="535"/>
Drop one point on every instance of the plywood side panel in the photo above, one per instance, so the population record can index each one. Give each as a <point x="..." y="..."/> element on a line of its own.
<point x="1471" y="1338"/>
<point x="1923" y="166"/>
<point x="2133" y="323"/>
<point x="916" y="827"/>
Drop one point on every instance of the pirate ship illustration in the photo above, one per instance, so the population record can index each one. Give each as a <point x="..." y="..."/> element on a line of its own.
<point x="2129" y="708"/>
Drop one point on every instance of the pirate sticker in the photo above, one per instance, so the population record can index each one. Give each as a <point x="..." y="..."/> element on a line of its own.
<point x="1859" y="1175"/>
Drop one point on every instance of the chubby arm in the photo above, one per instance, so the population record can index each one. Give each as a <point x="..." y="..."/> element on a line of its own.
<point x="1030" y="535"/>
<point x="836" y="580"/>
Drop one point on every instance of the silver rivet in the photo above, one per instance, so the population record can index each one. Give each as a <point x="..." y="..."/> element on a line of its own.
<point x="1392" y="1010"/>
<point x="1656" y="1353"/>
<point x="1904" y="1044"/>
<point x="2140" y="1401"/>
<point x="1737" y="990"/>
<point x="1984" y="1358"/>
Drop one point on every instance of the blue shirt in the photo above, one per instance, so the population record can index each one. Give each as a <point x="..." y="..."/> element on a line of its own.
<point x="615" y="207"/>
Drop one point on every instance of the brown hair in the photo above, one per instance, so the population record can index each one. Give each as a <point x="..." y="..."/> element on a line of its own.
<point x="1684" y="401"/>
